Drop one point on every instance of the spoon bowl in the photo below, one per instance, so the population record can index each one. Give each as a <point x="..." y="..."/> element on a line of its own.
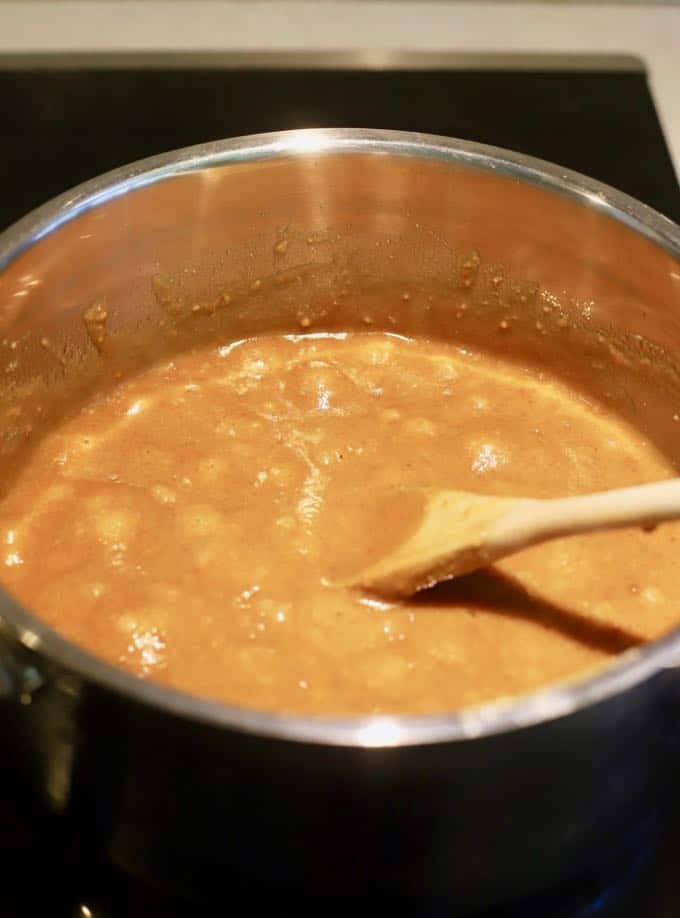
<point x="460" y="531"/>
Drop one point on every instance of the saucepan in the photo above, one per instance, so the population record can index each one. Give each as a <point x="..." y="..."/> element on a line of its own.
<point x="486" y="805"/>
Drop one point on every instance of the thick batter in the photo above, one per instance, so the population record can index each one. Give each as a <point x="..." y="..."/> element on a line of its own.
<point x="187" y="526"/>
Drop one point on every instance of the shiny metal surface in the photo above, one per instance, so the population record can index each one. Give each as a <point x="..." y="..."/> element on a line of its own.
<point x="486" y="805"/>
<point x="109" y="236"/>
<point x="363" y="59"/>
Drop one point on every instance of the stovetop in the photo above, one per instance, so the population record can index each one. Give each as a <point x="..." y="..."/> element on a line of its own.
<point x="66" y="120"/>
<point x="63" y="124"/>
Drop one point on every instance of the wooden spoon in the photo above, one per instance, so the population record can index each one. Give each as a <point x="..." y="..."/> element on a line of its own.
<point x="460" y="531"/>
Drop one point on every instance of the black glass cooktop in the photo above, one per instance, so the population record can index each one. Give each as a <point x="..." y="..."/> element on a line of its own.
<point x="65" y="120"/>
<point x="64" y="124"/>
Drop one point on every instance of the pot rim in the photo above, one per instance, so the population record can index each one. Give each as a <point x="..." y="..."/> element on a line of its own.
<point x="557" y="700"/>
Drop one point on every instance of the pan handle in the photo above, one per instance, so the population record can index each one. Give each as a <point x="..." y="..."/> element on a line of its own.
<point x="20" y="678"/>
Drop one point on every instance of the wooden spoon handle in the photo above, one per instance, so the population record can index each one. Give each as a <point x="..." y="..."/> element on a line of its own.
<point x="531" y="521"/>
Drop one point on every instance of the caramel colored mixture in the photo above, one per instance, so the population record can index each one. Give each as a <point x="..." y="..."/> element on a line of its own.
<point x="189" y="523"/>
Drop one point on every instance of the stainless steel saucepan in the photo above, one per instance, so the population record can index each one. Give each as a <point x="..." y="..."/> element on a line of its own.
<point x="485" y="805"/>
